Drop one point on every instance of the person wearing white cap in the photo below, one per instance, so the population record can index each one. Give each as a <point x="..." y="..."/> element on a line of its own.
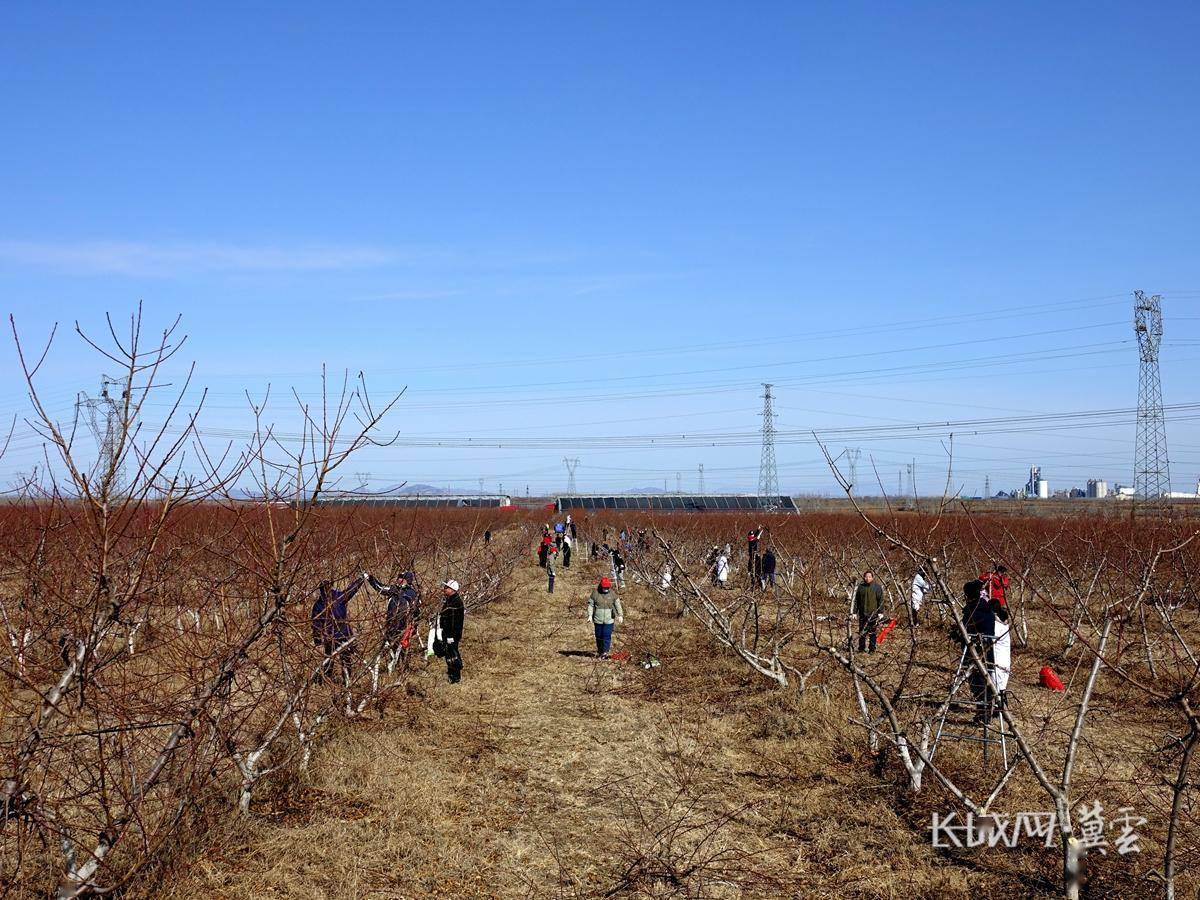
<point x="449" y="627"/>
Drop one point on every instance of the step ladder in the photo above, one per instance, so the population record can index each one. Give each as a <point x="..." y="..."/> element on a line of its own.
<point x="984" y="712"/>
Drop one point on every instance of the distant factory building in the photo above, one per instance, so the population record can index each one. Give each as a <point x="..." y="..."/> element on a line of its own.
<point x="1097" y="488"/>
<point x="1183" y="495"/>
<point x="1037" y="487"/>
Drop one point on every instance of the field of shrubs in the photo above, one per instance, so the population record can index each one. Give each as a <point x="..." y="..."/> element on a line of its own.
<point x="1110" y="606"/>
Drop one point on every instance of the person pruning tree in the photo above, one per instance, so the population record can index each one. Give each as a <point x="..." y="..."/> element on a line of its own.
<point x="983" y="617"/>
<point x="996" y="582"/>
<point x="920" y="587"/>
<point x="721" y="570"/>
<point x="768" y="568"/>
<point x="604" y="610"/>
<point x="618" y="567"/>
<point x="752" y="540"/>
<point x="403" y="610"/>
<point x="331" y="624"/>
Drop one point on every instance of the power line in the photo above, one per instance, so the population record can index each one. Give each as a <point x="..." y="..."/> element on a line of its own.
<point x="733" y="438"/>
<point x="943" y="321"/>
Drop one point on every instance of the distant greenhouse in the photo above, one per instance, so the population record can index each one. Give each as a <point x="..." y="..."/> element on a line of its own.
<point x="678" y="503"/>
<point x="439" y="501"/>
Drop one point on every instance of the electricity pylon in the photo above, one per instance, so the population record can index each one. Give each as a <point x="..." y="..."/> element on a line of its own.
<point x="768" y="475"/>
<point x="103" y="417"/>
<point x="852" y="457"/>
<point x="572" y="465"/>
<point x="1151" y="468"/>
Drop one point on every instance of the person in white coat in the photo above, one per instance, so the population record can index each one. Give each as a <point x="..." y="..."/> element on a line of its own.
<point x="721" y="569"/>
<point x="1002" y="655"/>
<point x="920" y="587"/>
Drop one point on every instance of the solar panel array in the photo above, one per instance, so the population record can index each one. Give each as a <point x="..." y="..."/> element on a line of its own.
<point x="678" y="503"/>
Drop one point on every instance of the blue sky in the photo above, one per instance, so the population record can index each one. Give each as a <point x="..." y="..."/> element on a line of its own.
<point x="564" y="220"/>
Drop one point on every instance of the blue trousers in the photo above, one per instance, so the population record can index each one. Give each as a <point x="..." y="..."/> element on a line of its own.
<point x="603" y="637"/>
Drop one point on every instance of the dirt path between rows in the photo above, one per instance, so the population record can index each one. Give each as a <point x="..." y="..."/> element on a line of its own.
<point x="547" y="772"/>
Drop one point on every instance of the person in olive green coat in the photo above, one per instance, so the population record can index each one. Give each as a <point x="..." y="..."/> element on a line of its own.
<point x="868" y="603"/>
<point x="604" y="610"/>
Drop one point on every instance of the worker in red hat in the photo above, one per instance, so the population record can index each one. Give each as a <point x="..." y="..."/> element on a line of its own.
<point x="752" y="540"/>
<point x="604" y="611"/>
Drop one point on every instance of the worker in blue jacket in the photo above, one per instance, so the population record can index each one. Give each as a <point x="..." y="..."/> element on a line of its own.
<point x="331" y="623"/>
<point x="403" y="611"/>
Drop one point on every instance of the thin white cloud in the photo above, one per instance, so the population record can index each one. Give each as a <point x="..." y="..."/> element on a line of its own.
<point x="414" y="294"/>
<point x="166" y="260"/>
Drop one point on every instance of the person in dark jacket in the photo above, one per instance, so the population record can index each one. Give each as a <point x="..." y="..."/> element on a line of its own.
<point x="768" y="568"/>
<point x="487" y="537"/>
<point x="331" y="624"/>
<point x="868" y="604"/>
<point x="752" y="542"/>
<point x="980" y="614"/>
<point x="618" y="568"/>
<point x="543" y="548"/>
<point x="450" y="627"/>
<point x="403" y="612"/>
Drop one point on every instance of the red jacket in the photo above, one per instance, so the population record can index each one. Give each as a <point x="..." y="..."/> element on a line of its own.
<point x="997" y="586"/>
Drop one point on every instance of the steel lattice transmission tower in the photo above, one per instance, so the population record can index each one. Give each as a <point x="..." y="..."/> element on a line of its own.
<point x="1151" y="469"/>
<point x="701" y="491"/>
<point x="768" y="474"/>
<point x="572" y="465"/>
<point x="103" y="417"/>
<point x="853" y="454"/>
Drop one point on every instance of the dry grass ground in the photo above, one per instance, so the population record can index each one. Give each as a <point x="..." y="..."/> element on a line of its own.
<point x="547" y="773"/>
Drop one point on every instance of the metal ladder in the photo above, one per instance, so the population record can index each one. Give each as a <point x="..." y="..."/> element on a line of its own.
<point x="991" y="734"/>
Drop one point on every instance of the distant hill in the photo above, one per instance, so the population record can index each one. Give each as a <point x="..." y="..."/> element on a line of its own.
<point x="426" y="490"/>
